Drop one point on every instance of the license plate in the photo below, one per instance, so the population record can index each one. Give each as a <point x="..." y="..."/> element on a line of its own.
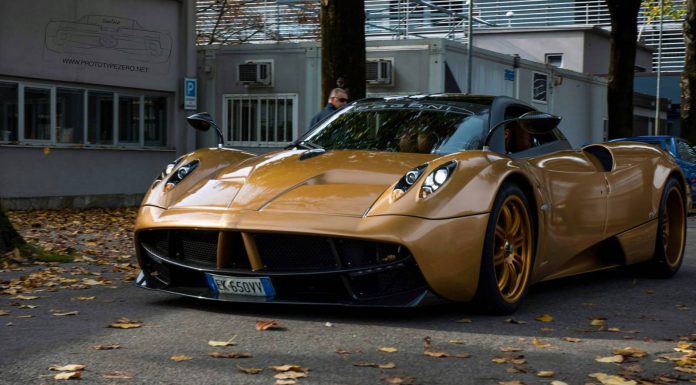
<point x="256" y="287"/>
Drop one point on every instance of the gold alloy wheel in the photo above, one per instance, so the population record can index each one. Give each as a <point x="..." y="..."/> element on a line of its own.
<point x="512" y="252"/>
<point x="673" y="227"/>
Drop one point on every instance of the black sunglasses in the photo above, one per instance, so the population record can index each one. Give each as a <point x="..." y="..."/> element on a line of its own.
<point x="342" y="100"/>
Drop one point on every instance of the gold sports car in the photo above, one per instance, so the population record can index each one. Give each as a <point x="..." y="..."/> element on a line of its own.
<point x="399" y="201"/>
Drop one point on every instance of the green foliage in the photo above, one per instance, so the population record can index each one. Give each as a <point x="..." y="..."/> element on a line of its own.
<point x="36" y="253"/>
<point x="651" y="10"/>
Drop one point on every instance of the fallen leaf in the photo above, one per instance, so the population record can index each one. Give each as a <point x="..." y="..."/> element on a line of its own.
<point x="117" y="375"/>
<point x="249" y="370"/>
<point x="544" y="318"/>
<point x="230" y="354"/>
<point x="90" y="298"/>
<point x="649" y="291"/>
<point x="266" y="325"/>
<point x="28" y="306"/>
<point x="631" y="352"/>
<point x="343" y="351"/>
<point x="328" y="324"/>
<point x="456" y="342"/>
<point x="607" y="379"/>
<point x="388" y="350"/>
<point x="67" y="375"/>
<point x="570" y="339"/>
<point x="545" y="373"/>
<point x="514" y="321"/>
<point x="685" y="370"/>
<point x="25" y="316"/>
<point x="461" y="355"/>
<point x="611" y="359"/>
<point x="222" y="343"/>
<point x="68" y="368"/>
<point x="75" y="312"/>
<point x="540" y="344"/>
<point x="4" y="312"/>
<point x="399" y="380"/>
<point x="614" y="330"/>
<point x="289" y="368"/>
<point x="25" y="297"/>
<point x="435" y="354"/>
<point x="181" y="357"/>
<point x="515" y="382"/>
<point x="508" y="349"/>
<point x="558" y="383"/>
<point x="388" y="365"/>
<point x="682" y="306"/>
<point x="46" y="151"/>
<point x="598" y="322"/>
<point x="290" y="375"/>
<point x="107" y="347"/>
<point x="285" y="382"/>
<point x="125" y="323"/>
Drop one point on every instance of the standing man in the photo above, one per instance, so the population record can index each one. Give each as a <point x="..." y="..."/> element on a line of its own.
<point x="337" y="99"/>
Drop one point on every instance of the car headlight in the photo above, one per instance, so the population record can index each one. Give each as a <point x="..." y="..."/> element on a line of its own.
<point x="408" y="180"/>
<point x="179" y="174"/>
<point x="167" y="170"/>
<point x="436" y="179"/>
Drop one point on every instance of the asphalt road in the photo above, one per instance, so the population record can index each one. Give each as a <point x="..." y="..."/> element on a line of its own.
<point x="647" y="314"/>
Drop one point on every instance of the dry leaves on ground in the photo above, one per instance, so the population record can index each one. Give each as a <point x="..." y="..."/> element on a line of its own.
<point x="387" y="365"/>
<point x="229" y="342"/>
<point x="267" y="325"/>
<point x="388" y="350"/>
<point x="125" y="323"/>
<point x="107" y="347"/>
<point x="399" y="380"/>
<point x="544" y="318"/>
<point x="230" y="354"/>
<point x="249" y="370"/>
<point x="180" y="357"/>
<point x="117" y="375"/>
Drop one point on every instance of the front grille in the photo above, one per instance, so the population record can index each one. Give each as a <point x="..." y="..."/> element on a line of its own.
<point x="278" y="252"/>
<point x="282" y="252"/>
<point x="198" y="247"/>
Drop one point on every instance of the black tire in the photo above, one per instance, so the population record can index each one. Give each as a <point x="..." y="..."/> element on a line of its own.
<point x="671" y="232"/>
<point x="508" y="253"/>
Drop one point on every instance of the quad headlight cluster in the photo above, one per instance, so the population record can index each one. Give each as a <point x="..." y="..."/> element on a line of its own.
<point x="432" y="182"/>
<point x="174" y="174"/>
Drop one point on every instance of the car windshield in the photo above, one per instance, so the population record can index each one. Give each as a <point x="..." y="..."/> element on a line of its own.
<point x="403" y="127"/>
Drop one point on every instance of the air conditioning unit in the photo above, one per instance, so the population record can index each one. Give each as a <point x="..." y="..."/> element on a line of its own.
<point x="379" y="72"/>
<point x="256" y="73"/>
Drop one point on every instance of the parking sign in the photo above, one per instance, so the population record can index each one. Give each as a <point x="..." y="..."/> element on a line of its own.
<point x="190" y="94"/>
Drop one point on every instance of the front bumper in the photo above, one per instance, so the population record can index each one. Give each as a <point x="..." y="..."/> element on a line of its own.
<point x="371" y="261"/>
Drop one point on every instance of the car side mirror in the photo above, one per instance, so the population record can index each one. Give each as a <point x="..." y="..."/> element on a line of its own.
<point x="202" y="121"/>
<point x="534" y="122"/>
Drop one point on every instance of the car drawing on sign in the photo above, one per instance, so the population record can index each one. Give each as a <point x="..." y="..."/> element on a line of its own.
<point x="409" y="200"/>
<point x="98" y="34"/>
<point x="680" y="149"/>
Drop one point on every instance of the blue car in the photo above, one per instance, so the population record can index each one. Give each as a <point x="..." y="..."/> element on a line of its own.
<point x="680" y="149"/>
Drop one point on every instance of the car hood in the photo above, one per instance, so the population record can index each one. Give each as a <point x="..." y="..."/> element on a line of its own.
<point x="335" y="182"/>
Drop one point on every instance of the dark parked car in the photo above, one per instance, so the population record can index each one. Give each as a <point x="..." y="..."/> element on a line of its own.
<point x="680" y="149"/>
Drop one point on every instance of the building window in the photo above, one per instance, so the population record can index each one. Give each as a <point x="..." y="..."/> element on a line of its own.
<point x="260" y="120"/>
<point x="554" y="59"/>
<point x="155" y="121"/>
<point x="540" y="86"/>
<point x="50" y="114"/>
<point x="70" y="112"/>
<point x="37" y="113"/>
<point x="128" y="119"/>
<point x="8" y="112"/>
<point x="100" y="126"/>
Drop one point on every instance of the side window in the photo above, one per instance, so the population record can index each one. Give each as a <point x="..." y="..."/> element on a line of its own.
<point x="686" y="152"/>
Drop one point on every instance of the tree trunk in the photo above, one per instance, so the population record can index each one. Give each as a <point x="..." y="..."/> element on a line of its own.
<point x="624" y="33"/>
<point x="343" y="47"/>
<point x="688" y="76"/>
<point x="9" y="238"/>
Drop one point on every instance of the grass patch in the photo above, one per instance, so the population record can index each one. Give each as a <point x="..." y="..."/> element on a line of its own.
<point x="36" y="253"/>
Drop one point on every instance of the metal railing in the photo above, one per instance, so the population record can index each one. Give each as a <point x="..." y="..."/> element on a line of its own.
<point x="297" y="20"/>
